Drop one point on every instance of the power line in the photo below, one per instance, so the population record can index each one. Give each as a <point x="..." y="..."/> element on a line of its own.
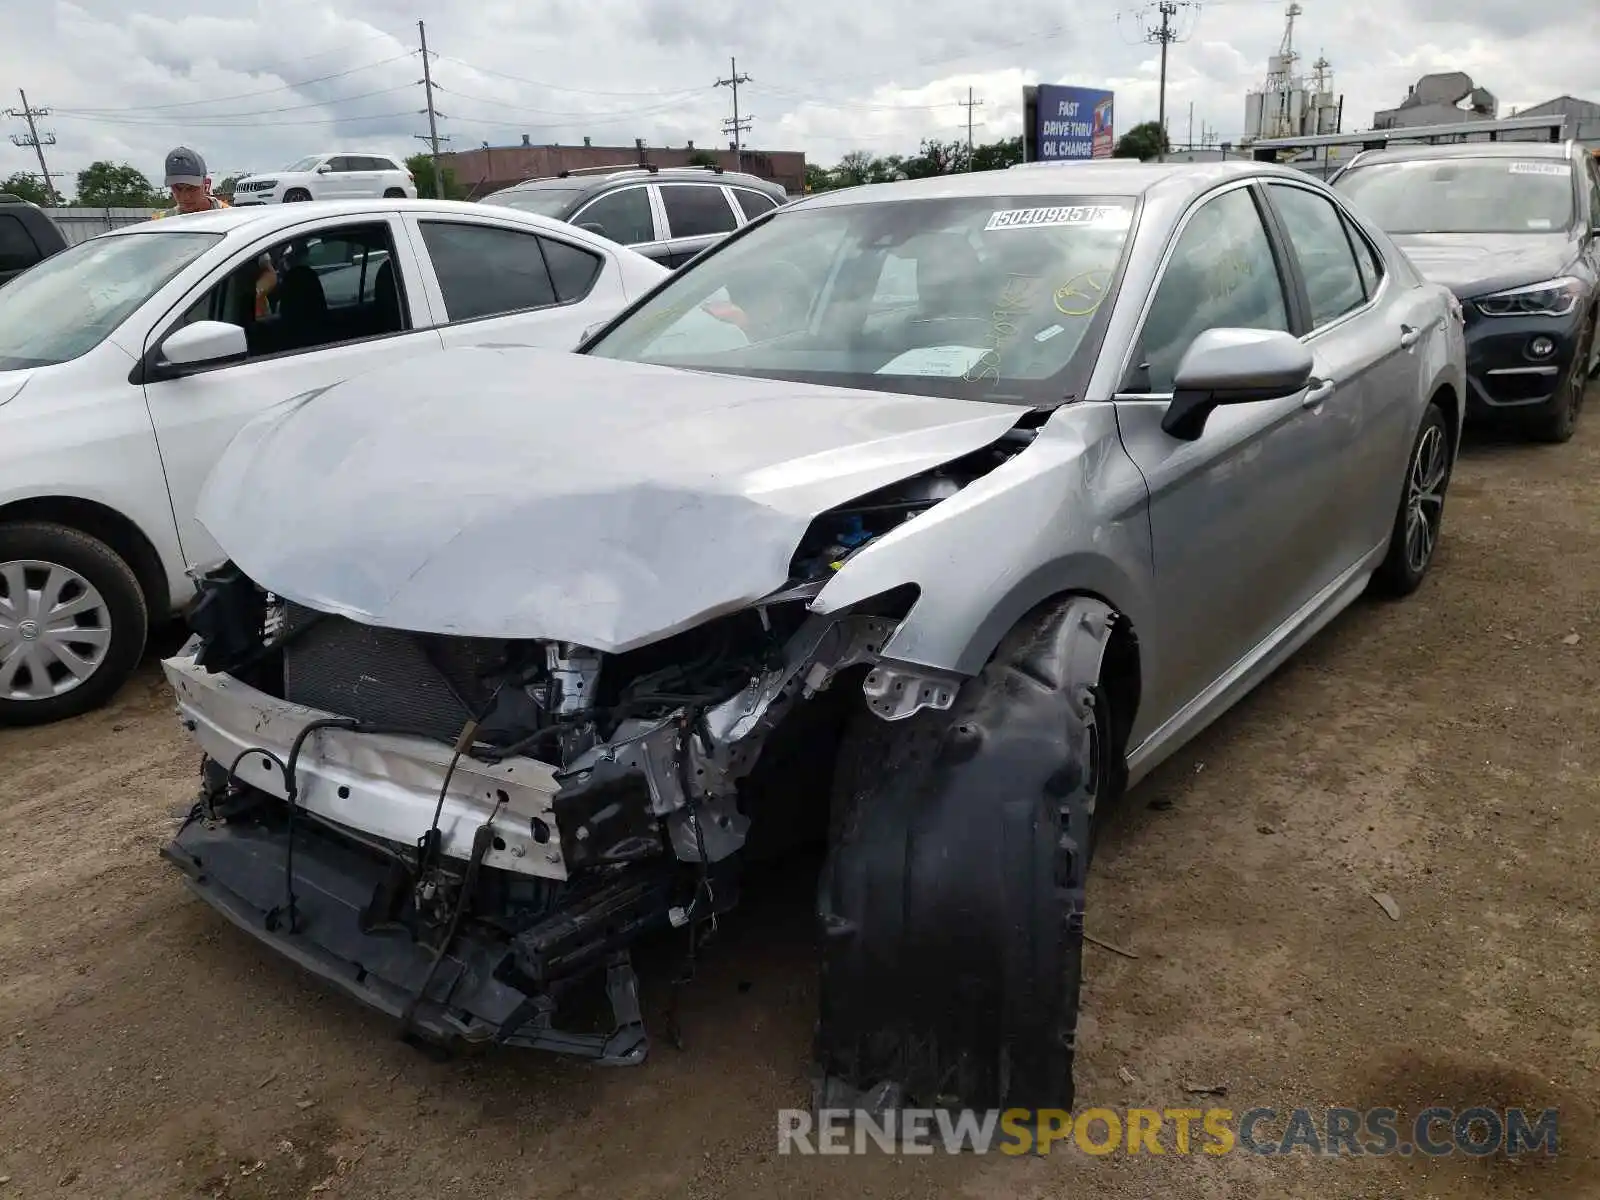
<point x="213" y="119"/>
<point x="33" y="138"/>
<point x="735" y="126"/>
<point x="432" y="137"/>
<point x="556" y="87"/>
<point x="969" y="104"/>
<point x="283" y="87"/>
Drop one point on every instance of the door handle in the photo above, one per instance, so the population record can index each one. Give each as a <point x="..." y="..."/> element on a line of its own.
<point x="1320" y="392"/>
<point x="1409" y="336"/>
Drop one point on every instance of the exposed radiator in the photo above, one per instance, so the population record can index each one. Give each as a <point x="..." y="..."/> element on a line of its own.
<point x="385" y="676"/>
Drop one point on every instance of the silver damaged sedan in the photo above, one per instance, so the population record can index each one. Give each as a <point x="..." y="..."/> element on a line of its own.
<point x="914" y="521"/>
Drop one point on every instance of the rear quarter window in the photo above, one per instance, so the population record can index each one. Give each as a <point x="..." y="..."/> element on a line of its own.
<point x="18" y="251"/>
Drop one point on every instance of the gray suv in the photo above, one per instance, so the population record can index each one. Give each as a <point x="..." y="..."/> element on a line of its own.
<point x="668" y="214"/>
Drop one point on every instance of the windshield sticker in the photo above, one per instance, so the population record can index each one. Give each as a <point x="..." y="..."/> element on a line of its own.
<point x="1044" y="335"/>
<point x="938" y="361"/>
<point x="1100" y="216"/>
<point x="1540" y="223"/>
<point x="1081" y="295"/>
<point x="1538" y="168"/>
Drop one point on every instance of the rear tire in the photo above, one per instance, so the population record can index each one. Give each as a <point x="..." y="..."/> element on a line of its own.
<point x="296" y="196"/>
<point x="951" y="903"/>
<point x="1419" y="520"/>
<point x="102" y="619"/>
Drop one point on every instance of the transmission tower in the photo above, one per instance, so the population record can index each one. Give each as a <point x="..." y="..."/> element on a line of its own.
<point x="735" y="127"/>
<point x="33" y="139"/>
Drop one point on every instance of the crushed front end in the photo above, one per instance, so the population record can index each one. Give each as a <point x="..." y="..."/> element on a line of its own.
<point x="471" y="834"/>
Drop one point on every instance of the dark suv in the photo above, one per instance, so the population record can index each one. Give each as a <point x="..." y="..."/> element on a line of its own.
<point x="27" y="236"/>
<point x="668" y="214"/>
<point x="1513" y="228"/>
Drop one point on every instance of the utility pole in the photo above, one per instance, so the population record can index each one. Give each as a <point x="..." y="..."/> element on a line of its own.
<point x="33" y="139"/>
<point x="1165" y="35"/>
<point x="432" y="137"/>
<point x="737" y="126"/>
<point x="969" y="104"/>
<point x="1191" y="124"/>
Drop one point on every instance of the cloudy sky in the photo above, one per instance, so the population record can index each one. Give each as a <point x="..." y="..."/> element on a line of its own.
<point x="254" y="86"/>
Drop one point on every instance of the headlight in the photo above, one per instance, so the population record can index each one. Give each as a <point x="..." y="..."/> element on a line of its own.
<point x="1554" y="298"/>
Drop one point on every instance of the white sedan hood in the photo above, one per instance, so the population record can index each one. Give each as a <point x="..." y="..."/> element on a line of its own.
<point x="518" y="493"/>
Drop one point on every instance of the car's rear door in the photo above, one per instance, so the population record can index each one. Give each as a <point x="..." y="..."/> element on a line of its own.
<point x="698" y="215"/>
<point x="1365" y="332"/>
<point x="1231" y="511"/>
<point x="630" y="216"/>
<point x="493" y="281"/>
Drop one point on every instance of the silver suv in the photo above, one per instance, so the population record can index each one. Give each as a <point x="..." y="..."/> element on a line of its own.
<point x="668" y="214"/>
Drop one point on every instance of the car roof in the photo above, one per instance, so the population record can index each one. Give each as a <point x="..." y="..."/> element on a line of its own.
<point x="252" y="219"/>
<point x="596" y="180"/>
<point x="1088" y="177"/>
<point x="1418" y="152"/>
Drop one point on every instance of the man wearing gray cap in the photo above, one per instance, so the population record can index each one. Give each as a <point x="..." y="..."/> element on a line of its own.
<point x="189" y="183"/>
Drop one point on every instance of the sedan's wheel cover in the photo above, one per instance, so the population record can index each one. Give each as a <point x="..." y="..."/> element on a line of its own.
<point x="1425" y="498"/>
<point x="55" y="629"/>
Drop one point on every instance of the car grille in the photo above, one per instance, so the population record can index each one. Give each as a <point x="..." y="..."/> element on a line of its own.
<point x="419" y="683"/>
<point x="257" y="185"/>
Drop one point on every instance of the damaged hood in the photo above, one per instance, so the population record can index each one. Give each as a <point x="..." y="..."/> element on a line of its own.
<point x="519" y="493"/>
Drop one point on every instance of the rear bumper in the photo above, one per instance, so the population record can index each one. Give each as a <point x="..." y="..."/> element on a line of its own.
<point x="490" y="988"/>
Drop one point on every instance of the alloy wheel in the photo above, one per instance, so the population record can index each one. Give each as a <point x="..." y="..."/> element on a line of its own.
<point x="1425" y="498"/>
<point x="55" y="629"/>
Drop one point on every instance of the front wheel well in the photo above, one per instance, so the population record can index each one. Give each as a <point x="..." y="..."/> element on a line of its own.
<point x="109" y="526"/>
<point x="1449" y="404"/>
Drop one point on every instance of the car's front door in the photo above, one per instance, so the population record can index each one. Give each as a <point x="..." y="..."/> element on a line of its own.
<point x="334" y="299"/>
<point x="498" y="283"/>
<point x="1230" y="510"/>
<point x="698" y="215"/>
<point x="628" y="217"/>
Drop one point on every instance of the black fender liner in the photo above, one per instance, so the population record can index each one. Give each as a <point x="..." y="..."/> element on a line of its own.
<point x="951" y="903"/>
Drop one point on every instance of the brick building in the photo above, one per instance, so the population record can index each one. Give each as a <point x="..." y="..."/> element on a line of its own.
<point x="490" y="167"/>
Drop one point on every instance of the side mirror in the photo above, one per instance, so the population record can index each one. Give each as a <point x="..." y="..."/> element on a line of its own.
<point x="1234" y="366"/>
<point x="324" y="168"/>
<point x="204" y="343"/>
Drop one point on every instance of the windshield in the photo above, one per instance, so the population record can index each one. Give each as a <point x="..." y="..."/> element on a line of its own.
<point x="305" y="164"/>
<point x="1463" y="195"/>
<point x="546" y="202"/>
<point x="70" y="303"/>
<point x="985" y="298"/>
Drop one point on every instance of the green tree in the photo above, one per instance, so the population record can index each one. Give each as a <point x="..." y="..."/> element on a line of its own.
<point x="703" y="158"/>
<point x="227" y="187"/>
<point x="856" y="168"/>
<point x="996" y="156"/>
<point x="26" y="187"/>
<point x="937" y="158"/>
<point x="421" y="166"/>
<point x="110" y="185"/>
<point x="1144" y="142"/>
<point x="819" y="179"/>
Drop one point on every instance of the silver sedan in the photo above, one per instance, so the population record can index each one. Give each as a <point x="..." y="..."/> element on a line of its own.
<point x="963" y="501"/>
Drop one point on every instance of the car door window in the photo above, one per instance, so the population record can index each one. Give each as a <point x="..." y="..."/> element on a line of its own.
<point x="623" y="216"/>
<point x="753" y="204"/>
<point x="310" y="292"/>
<point x="696" y="210"/>
<point x="573" y="270"/>
<point x="1222" y="275"/>
<point x="485" y="271"/>
<point x="17" y="251"/>
<point x="1333" y="281"/>
<point x="1366" y="260"/>
<point x="343" y="164"/>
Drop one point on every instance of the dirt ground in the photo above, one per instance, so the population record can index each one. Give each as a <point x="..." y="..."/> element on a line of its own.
<point x="1444" y="752"/>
